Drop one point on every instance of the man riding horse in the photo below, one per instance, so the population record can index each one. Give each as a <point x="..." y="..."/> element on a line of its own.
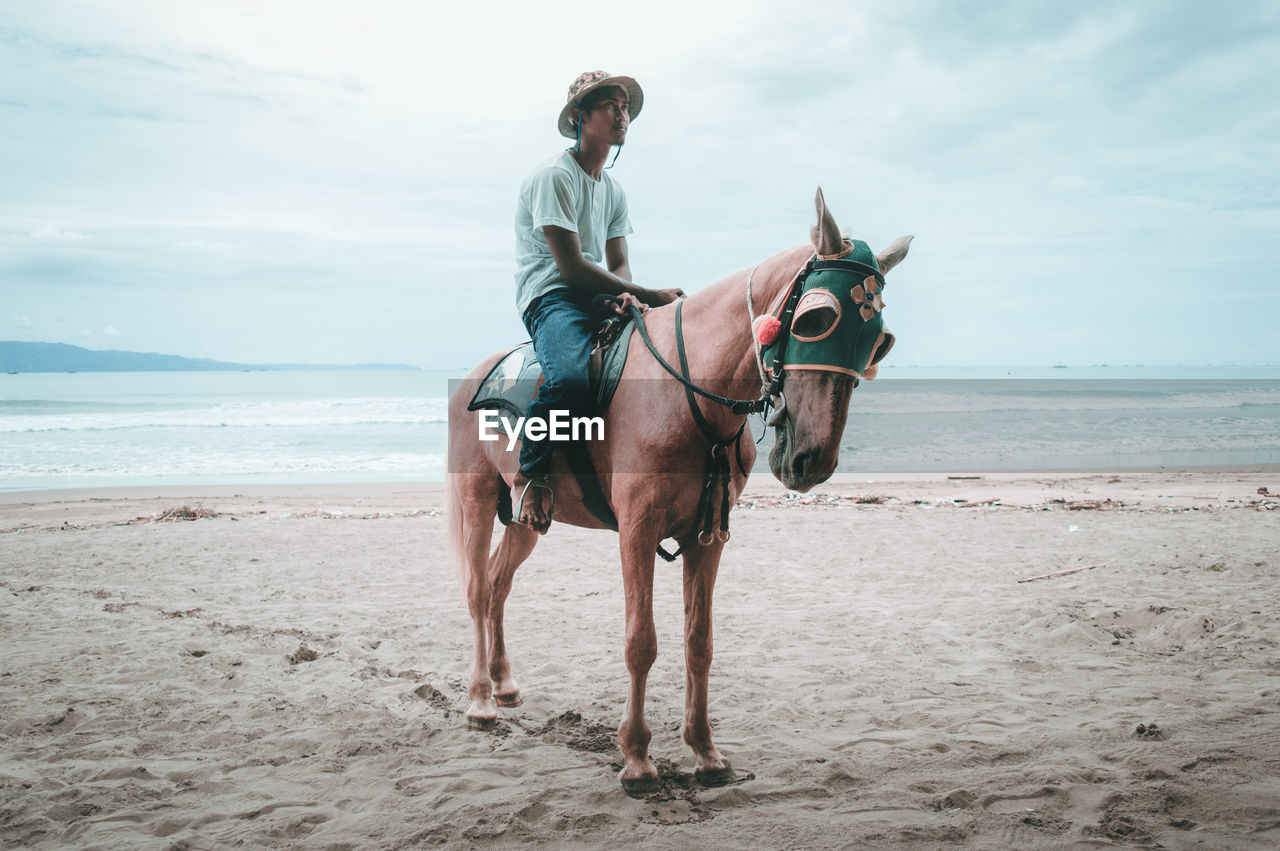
<point x="571" y="246"/>
<point x="793" y="334"/>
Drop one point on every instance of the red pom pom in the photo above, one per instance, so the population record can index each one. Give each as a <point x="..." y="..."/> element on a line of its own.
<point x="766" y="329"/>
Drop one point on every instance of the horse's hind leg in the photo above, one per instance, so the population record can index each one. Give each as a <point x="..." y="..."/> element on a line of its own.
<point x="516" y="544"/>
<point x="700" y="566"/>
<point x="473" y="500"/>
<point x="487" y="580"/>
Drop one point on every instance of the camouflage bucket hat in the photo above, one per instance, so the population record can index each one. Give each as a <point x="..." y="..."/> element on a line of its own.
<point x="587" y="82"/>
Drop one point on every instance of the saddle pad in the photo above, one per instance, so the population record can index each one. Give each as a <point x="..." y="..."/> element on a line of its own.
<point x="512" y="383"/>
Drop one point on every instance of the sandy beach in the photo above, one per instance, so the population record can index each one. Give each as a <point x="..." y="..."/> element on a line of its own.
<point x="286" y="666"/>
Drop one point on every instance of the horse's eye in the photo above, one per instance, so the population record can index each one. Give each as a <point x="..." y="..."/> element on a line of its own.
<point x="816" y="316"/>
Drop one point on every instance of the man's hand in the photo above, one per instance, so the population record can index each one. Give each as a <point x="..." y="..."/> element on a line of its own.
<point x="657" y="298"/>
<point x="647" y="299"/>
<point x="620" y="302"/>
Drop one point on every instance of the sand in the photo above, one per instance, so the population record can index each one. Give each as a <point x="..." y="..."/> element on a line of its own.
<point x="288" y="669"/>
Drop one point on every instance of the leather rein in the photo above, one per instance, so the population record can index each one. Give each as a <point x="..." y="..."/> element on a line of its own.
<point x="717" y="471"/>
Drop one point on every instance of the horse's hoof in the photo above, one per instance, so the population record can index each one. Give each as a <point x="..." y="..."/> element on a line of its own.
<point x="638" y="787"/>
<point x="508" y="701"/>
<point x="481" y="722"/>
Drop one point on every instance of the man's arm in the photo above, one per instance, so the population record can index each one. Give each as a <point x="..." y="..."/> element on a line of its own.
<point x="615" y="256"/>
<point x="581" y="274"/>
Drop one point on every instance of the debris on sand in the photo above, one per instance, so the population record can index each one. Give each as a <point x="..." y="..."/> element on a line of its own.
<point x="1087" y="504"/>
<point x="184" y="512"/>
<point x="1060" y="572"/>
<point x="302" y="654"/>
<point x="792" y="500"/>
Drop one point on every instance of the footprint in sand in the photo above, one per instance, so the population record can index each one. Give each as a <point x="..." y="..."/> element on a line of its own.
<point x="435" y="697"/>
<point x="1149" y="732"/>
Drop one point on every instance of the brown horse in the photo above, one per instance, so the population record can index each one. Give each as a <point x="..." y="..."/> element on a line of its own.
<point x="652" y="469"/>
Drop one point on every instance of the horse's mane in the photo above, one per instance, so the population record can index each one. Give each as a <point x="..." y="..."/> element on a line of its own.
<point x="768" y="278"/>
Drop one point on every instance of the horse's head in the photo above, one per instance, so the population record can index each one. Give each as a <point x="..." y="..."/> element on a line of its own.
<point x="832" y="336"/>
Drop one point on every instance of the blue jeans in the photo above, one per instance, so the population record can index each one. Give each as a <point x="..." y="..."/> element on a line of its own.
<point x="560" y="323"/>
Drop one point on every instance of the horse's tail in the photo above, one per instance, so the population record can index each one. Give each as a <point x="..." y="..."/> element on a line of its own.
<point x="453" y="486"/>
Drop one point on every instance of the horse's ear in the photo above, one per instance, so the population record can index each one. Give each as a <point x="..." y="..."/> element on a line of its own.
<point x="894" y="254"/>
<point x="825" y="235"/>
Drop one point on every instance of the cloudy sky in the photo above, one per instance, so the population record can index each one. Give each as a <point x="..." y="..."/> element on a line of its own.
<point x="334" y="182"/>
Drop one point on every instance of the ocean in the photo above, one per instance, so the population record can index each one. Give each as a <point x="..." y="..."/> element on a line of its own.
<point x="121" y="429"/>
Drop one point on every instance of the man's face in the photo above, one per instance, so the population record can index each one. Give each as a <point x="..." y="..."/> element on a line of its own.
<point x="608" y="117"/>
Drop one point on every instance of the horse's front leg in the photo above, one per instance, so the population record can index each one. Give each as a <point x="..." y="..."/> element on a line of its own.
<point x="516" y="545"/>
<point x="638" y="774"/>
<point x="700" y="566"/>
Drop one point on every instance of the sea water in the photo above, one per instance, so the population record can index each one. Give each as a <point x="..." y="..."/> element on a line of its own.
<point x="117" y="429"/>
<point x="131" y="428"/>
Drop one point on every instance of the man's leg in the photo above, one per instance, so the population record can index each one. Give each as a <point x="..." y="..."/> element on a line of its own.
<point x="561" y="328"/>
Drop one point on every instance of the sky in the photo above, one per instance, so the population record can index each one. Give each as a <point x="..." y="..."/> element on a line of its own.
<point x="335" y="182"/>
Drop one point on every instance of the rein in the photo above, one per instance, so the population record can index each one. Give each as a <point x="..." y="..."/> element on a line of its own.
<point x="737" y="406"/>
<point x="717" y="471"/>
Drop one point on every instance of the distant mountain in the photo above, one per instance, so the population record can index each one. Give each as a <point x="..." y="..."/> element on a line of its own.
<point x="61" y="357"/>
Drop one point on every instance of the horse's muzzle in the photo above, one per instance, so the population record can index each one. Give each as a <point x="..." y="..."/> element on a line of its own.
<point x="796" y="466"/>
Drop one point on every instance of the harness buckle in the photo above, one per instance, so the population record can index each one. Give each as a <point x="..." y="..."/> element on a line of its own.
<point x="778" y="410"/>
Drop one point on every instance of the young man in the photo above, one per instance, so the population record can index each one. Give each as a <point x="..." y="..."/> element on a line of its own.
<point x="571" y="245"/>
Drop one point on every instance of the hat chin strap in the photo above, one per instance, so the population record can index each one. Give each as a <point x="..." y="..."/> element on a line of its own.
<point x="577" y="145"/>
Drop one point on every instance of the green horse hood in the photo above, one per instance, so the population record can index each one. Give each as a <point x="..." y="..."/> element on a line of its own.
<point x="835" y="322"/>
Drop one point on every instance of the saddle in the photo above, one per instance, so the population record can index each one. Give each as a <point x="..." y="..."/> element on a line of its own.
<point x="513" y="382"/>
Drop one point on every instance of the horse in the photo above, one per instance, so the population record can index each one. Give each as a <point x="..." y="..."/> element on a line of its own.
<point x="656" y="457"/>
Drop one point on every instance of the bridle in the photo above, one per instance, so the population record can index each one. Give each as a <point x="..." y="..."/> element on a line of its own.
<point x="773" y="375"/>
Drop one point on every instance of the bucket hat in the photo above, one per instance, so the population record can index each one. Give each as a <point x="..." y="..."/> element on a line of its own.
<point x="587" y="82"/>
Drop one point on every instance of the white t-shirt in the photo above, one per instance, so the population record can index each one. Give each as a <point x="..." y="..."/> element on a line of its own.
<point x="560" y="193"/>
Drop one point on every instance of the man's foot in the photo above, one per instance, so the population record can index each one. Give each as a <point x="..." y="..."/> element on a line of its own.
<point x="534" y="502"/>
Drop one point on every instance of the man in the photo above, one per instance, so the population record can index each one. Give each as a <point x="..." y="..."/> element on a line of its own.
<point x="571" y="245"/>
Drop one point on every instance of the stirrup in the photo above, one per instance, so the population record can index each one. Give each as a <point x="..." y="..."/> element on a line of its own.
<point x="549" y="508"/>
